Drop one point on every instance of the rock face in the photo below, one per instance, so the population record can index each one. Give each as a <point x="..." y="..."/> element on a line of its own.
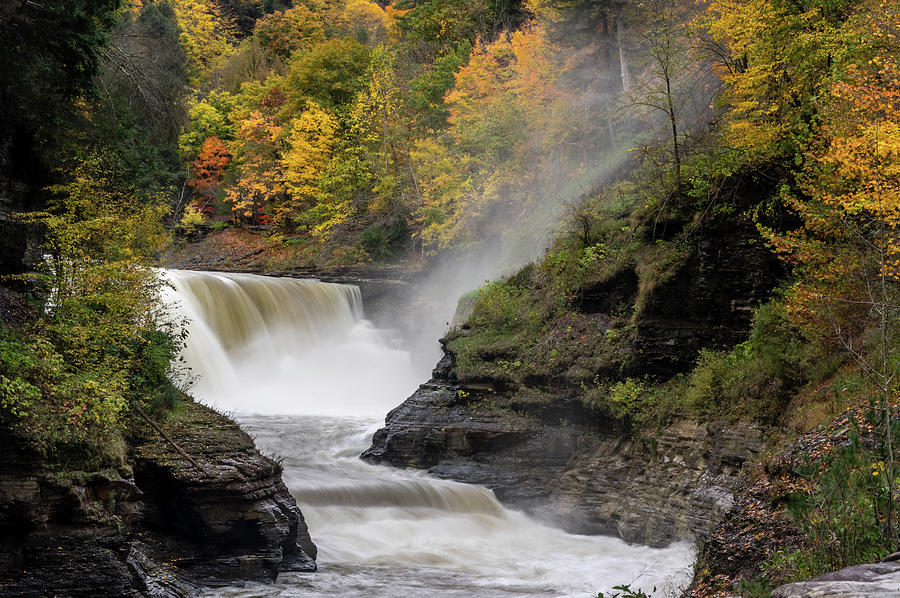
<point x="561" y="461"/>
<point x="860" y="581"/>
<point x="161" y="527"/>
<point x="709" y="301"/>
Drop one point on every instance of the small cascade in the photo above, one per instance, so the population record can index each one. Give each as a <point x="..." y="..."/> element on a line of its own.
<point x="283" y="345"/>
<point x="412" y="493"/>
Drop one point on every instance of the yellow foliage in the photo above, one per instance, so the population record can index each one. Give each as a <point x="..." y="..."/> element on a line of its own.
<point x="375" y="107"/>
<point x="207" y="34"/>
<point x="191" y="219"/>
<point x="310" y="144"/>
<point x="446" y="188"/>
<point x="378" y="24"/>
<point x="507" y="115"/>
<point x="776" y="55"/>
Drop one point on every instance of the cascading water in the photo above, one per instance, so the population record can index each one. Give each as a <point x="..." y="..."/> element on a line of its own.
<point x="267" y="345"/>
<point x="310" y="378"/>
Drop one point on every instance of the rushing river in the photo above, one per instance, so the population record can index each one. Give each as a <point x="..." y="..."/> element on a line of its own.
<point x="311" y="380"/>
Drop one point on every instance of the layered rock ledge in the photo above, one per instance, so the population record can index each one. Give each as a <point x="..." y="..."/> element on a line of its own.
<point x="563" y="462"/>
<point x="159" y="527"/>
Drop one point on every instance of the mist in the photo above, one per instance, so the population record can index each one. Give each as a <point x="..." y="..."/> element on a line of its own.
<point x="611" y="88"/>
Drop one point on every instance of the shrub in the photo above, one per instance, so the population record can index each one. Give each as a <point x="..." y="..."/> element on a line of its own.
<point x="843" y="518"/>
<point x="501" y="306"/>
<point x="756" y="376"/>
<point x="191" y="219"/>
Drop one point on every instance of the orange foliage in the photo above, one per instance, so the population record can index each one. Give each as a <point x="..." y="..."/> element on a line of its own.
<point x="208" y="171"/>
<point x="851" y="182"/>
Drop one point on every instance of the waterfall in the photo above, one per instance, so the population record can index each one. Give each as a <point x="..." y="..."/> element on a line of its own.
<point x="283" y="345"/>
<point x="310" y="379"/>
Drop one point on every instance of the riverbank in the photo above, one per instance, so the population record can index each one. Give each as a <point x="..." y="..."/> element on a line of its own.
<point x="200" y="507"/>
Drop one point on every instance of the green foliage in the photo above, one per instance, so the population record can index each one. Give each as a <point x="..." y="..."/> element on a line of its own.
<point x="427" y="91"/>
<point x="756" y="588"/>
<point x="330" y="73"/>
<point x="208" y="118"/>
<point x="754" y="378"/>
<point x="623" y="591"/>
<point x="629" y="398"/>
<point x="381" y="241"/>
<point x="843" y="519"/>
<point x="102" y="344"/>
<point x="501" y="306"/>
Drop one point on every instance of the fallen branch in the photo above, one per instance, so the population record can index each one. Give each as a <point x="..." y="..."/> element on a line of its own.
<point x="168" y="439"/>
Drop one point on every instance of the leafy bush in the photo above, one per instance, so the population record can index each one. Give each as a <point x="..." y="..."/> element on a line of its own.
<point x="500" y="305"/>
<point x="843" y="519"/>
<point x="102" y="346"/>
<point x="629" y="398"/>
<point x="754" y="377"/>
<point x="191" y="219"/>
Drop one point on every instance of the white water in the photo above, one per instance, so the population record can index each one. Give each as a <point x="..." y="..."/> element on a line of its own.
<point x="309" y="378"/>
<point x="267" y="345"/>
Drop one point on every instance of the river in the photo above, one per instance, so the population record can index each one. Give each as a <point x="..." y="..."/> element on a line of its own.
<point x="310" y="379"/>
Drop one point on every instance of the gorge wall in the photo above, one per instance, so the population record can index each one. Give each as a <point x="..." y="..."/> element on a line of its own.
<point x="540" y="445"/>
<point x="159" y="526"/>
<point x="560" y="462"/>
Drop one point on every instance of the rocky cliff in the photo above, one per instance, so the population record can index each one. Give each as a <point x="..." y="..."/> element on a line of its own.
<point x="564" y="462"/>
<point x="508" y="406"/>
<point x="160" y="526"/>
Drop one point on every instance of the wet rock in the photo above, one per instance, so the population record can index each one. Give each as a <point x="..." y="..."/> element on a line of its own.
<point x="565" y="463"/>
<point x="235" y="518"/>
<point x="707" y="302"/>
<point x="161" y="528"/>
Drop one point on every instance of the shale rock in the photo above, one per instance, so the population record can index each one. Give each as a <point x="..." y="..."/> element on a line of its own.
<point x="235" y="518"/>
<point x="561" y="461"/>
<point x="159" y="527"/>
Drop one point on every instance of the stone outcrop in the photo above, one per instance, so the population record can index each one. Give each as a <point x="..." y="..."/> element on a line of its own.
<point x="707" y="302"/>
<point x="564" y="462"/>
<point x="878" y="580"/>
<point x="160" y="526"/>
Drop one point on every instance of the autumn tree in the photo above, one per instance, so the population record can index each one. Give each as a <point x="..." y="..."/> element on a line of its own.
<point x="330" y="74"/>
<point x="375" y="108"/>
<point x="845" y="255"/>
<point x="258" y="185"/>
<point x="431" y="27"/>
<point x="207" y="33"/>
<point x="208" y="117"/>
<point x="207" y="172"/>
<point x="772" y="58"/>
<point x="506" y="131"/>
<point x="371" y="22"/>
<point x="310" y="143"/>
<point x="284" y="33"/>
